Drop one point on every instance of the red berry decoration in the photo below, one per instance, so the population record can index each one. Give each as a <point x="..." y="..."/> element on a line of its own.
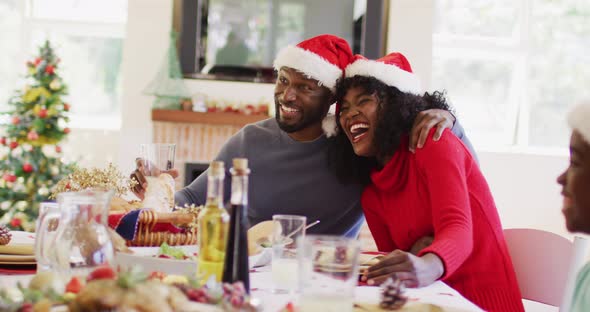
<point x="15" y="120"/>
<point x="49" y="69"/>
<point x="74" y="285"/>
<point x="37" y="61"/>
<point x="32" y="135"/>
<point x="27" y="167"/>
<point x="42" y="113"/>
<point x="3" y="140"/>
<point x="9" y="177"/>
<point x="15" y="222"/>
<point x="13" y="144"/>
<point x="103" y="272"/>
<point x="66" y="107"/>
<point x="57" y="149"/>
<point x="66" y="130"/>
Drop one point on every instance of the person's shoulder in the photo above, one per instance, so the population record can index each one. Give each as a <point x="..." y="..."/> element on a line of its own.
<point x="266" y="127"/>
<point x="259" y="131"/>
<point x="448" y="146"/>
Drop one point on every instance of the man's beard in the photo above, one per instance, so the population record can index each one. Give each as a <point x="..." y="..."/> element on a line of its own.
<point x="310" y="118"/>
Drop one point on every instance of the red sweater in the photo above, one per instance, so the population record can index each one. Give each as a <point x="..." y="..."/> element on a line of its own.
<point x="440" y="191"/>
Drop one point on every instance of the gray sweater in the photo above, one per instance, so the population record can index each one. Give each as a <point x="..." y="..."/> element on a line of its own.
<point x="289" y="177"/>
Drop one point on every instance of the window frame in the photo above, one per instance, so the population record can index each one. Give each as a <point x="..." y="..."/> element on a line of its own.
<point x="30" y="24"/>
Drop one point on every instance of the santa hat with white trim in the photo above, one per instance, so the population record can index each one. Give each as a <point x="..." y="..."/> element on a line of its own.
<point x="393" y="70"/>
<point x="322" y="58"/>
<point x="578" y="119"/>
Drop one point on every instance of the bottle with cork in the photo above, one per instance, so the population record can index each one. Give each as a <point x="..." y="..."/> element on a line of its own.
<point x="213" y="225"/>
<point x="235" y="268"/>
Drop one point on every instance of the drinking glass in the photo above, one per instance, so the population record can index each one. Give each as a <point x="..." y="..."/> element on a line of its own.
<point x="46" y="230"/>
<point x="328" y="270"/>
<point x="82" y="240"/>
<point x="286" y="230"/>
<point x="156" y="157"/>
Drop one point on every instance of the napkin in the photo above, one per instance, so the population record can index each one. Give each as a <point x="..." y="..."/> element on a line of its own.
<point x="125" y="224"/>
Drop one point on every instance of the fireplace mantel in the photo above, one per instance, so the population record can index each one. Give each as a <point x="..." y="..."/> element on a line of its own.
<point x="218" y="118"/>
<point x="198" y="136"/>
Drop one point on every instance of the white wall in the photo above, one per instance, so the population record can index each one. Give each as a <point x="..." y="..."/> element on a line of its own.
<point x="523" y="185"/>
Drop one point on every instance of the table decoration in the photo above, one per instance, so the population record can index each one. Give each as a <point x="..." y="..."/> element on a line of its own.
<point x="138" y="224"/>
<point x="5" y="235"/>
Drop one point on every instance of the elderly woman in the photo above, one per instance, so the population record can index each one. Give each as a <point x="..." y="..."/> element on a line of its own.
<point x="437" y="191"/>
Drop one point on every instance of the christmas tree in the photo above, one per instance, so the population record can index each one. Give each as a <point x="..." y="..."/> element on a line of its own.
<point x="30" y="157"/>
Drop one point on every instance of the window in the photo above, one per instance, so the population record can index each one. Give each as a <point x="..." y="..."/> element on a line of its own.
<point x="87" y="35"/>
<point x="512" y="68"/>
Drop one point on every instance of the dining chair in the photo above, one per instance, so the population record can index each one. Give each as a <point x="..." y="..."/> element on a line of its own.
<point x="546" y="264"/>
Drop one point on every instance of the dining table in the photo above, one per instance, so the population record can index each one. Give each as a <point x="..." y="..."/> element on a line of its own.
<point x="435" y="297"/>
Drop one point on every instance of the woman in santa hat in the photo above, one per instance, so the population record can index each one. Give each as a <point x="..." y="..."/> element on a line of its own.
<point x="575" y="182"/>
<point x="436" y="191"/>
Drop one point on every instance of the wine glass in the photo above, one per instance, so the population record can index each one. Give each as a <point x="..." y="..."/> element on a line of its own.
<point x="328" y="270"/>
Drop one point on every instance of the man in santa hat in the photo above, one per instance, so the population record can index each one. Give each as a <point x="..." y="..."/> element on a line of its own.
<point x="287" y="154"/>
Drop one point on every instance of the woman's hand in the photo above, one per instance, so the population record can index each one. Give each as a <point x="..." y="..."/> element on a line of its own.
<point x="425" y="120"/>
<point x="412" y="270"/>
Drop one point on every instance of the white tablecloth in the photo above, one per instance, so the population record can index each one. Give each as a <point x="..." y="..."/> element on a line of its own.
<point x="438" y="293"/>
<point x="261" y="285"/>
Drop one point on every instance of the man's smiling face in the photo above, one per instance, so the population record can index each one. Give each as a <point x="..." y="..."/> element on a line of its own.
<point x="300" y="102"/>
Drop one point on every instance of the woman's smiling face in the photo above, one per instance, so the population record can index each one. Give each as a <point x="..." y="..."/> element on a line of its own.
<point x="358" y="119"/>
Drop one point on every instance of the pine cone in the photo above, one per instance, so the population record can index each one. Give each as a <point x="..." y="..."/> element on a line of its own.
<point x="392" y="297"/>
<point x="5" y="235"/>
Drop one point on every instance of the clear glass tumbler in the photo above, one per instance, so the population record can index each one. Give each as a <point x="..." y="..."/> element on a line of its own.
<point x="328" y="270"/>
<point x="46" y="230"/>
<point x="286" y="230"/>
<point x="157" y="157"/>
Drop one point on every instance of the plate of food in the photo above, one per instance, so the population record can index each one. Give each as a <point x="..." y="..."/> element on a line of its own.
<point x="260" y="244"/>
<point x="181" y="260"/>
<point x="106" y="289"/>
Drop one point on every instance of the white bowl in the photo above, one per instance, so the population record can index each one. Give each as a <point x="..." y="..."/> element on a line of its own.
<point x="144" y="258"/>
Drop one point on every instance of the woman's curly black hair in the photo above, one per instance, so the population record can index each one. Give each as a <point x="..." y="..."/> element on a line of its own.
<point x="397" y="111"/>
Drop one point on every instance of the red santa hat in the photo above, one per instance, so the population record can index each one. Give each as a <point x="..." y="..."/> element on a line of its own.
<point x="322" y="58"/>
<point x="578" y="119"/>
<point x="393" y="70"/>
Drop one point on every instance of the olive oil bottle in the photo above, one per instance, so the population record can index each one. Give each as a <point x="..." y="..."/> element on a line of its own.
<point x="213" y="226"/>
